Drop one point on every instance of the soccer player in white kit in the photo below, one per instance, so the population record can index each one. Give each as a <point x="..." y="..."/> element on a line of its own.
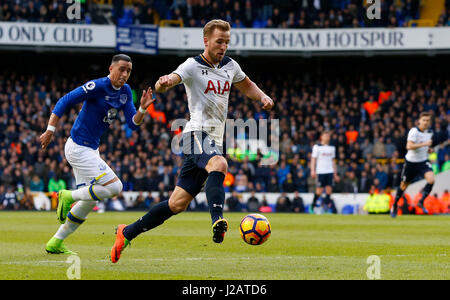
<point x="207" y="79"/>
<point x="323" y="166"/>
<point x="416" y="161"/>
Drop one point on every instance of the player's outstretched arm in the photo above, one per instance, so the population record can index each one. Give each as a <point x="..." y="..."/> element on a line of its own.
<point x="251" y="90"/>
<point x="70" y="99"/>
<point x="47" y="136"/>
<point x="166" y="82"/>
<point x="410" y="145"/>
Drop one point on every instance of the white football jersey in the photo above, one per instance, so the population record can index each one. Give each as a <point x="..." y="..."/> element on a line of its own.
<point x="417" y="136"/>
<point x="208" y="89"/>
<point x="324" y="155"/>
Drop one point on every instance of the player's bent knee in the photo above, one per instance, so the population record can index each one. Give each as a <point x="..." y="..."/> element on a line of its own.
<point x="115" y="187"/>
<point x="177" y="206"/>
<point x="429" y="177"/>
<point x="403" y="186"/>
<point x="218" y="164"/>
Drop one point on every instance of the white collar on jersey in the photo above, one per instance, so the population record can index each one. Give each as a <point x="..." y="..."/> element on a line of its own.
<point x="116" y="88"/>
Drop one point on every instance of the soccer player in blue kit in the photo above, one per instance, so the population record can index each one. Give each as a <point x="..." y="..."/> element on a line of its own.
<point x="102" y="99"/>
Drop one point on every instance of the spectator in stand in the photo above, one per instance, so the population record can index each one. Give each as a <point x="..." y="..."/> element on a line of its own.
<point x="297" y="203"/>
<point x="265" y="208"/>
<point x="10" y="201"/>
<point x="55" y="184"/>
<point x="117" y="203"/>
<point x="350" y="183"/>
<point x="300" y="182"/>
<point x="241" y="181"/>
<point x="382" y="176"/>
<point x="37" y="184"/>
<point x="140" y="203"/>
<point x="127" y="183"/>
<point x="283" y="203"/>
<point x="233" y="202"/>
<point x="351" y="134"/>
<point x="364" y="183"/>
<point x="288" y="184"/>
<point x="273" y="186"/>
<point x="150" y="16"/>
<point x="2" y="196"/>
<point x="446" y="165"/>
<point x="379" y="148"/>
<point x="282" y="172"/>
<point x="389" y="147"/>
<point x="253" y="202"/>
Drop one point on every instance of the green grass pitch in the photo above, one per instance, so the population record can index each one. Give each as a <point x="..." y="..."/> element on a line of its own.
<point x="300" y="247"/>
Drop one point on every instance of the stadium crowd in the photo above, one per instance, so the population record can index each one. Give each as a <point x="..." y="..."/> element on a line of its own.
<point x="240" y="13"/>
<point x="369" y="117"/>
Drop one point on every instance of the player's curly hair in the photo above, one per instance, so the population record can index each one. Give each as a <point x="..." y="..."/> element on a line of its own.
<point x="213" y="24"/>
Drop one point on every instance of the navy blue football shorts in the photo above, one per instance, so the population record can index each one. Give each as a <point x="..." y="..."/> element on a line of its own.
<point x="324" y="180"/>
<point x="411" y="170"/>
<point x="198" y="149"/>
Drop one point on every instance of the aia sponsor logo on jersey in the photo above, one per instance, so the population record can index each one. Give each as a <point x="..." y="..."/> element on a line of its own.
<point x="325" y="154"/>
<point x="216" y="87"/>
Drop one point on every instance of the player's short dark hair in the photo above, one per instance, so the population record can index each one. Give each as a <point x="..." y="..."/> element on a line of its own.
<point x="119" y="57"/>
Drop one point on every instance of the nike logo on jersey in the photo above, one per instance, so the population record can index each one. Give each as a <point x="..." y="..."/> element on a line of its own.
<point x="219" y="90"/>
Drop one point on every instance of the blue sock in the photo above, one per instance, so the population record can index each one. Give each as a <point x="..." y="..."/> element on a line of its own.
<point x="215" y="194"/>
<point x="155" y="217"/>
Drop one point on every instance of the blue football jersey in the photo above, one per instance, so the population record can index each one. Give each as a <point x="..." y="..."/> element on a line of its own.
<point x="102" y="102"/>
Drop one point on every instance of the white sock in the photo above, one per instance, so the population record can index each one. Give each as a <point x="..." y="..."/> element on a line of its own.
<point x="81" y="194"/>
<point x="65" y="230"/>
<point x="79" y="214"/>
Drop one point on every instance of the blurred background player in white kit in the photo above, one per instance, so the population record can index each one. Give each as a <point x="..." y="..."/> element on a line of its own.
<point x="323" y="167"/>
<point x="419" y="141"/>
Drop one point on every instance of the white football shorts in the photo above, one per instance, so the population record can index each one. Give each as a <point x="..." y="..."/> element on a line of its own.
<point x="88" y="167"/>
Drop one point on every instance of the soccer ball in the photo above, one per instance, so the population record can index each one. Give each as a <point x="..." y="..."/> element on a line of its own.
<point x="255" y="229"/>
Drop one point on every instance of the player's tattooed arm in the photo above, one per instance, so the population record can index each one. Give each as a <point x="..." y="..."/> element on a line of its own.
<point x="47" y="136"/>
<point x="166" y="82"/>
<point x="251" y="90"/>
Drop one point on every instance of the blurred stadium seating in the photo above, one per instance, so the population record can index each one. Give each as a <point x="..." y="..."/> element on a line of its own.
<point x="368" y="104"/>
<point x="241" y="14"/>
